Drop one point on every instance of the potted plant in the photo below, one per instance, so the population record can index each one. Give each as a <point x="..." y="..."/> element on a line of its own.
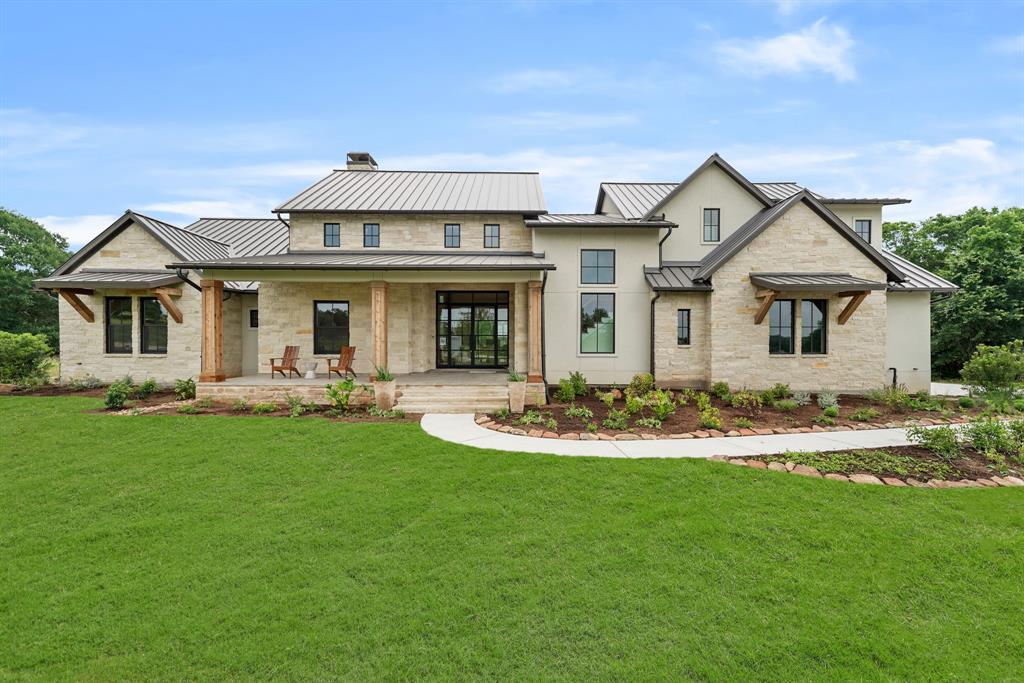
<point x="383" y="388"/>
<point x="516" y="391"/>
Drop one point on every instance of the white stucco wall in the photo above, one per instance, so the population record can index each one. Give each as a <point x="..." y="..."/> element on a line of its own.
<point x="909" y="347"/>
<point x="849" y="213"/>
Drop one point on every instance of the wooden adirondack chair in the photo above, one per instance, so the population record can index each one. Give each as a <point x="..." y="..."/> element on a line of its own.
<point x="287" y="362"/>
<point x="343" y="363"/>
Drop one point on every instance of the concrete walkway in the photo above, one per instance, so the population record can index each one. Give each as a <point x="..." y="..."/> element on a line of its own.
<point x="463" y="429"/>
<point x="947" y="389"/>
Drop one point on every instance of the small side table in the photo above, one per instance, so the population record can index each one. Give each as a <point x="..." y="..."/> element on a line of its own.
<point x="309" y="369"/>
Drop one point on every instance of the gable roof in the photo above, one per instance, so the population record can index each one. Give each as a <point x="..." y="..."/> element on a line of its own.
<point x="916" y="278"/>
<point x="421" y="192"/>
<point x="746" y="233"/>
<point x="592" y="220"/>
<point x="181" y="243"/>
<point x="246" y="236"/>
<point x="633" y="200"/>
<point x="713" y="160"/>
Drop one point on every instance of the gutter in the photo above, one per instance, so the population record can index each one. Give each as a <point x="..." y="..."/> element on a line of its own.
<point x="183" y="274"/>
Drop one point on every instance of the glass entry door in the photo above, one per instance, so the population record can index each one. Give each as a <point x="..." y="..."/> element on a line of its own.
<point x="472" y="329"/>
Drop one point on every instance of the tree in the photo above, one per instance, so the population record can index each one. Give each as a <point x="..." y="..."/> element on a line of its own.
<point x="28" y="251"/>
<point x="982" y="251"/>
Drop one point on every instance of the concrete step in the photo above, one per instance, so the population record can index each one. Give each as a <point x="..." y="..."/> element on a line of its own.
<point x="450" y="407"/>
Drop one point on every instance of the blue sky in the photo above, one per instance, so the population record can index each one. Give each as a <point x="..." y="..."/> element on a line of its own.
<point x="195" y="109"/>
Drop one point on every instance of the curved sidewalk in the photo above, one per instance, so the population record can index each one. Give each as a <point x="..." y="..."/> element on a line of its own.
<point x="463" y="429"/>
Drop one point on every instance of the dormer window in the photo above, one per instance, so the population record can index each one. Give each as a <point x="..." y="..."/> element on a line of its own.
<point x="862" y="226"/>
<point x="712" y="225"/>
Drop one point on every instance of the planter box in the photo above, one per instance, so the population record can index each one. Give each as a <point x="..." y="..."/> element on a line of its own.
<point x="516" y="396"/>
<point x="384" y="394"/>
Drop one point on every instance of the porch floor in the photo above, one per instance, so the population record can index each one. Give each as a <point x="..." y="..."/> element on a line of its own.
<point x="428" y="378"/>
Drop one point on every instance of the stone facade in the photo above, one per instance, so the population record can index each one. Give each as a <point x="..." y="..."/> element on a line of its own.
<point x="416" y="232"/>
<point x="675" y="365"/>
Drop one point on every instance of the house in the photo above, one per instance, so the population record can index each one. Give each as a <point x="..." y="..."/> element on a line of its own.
<point x="714" y="278"/>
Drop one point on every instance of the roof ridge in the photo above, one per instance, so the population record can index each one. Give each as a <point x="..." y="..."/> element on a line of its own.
<point x="399" y="170"/>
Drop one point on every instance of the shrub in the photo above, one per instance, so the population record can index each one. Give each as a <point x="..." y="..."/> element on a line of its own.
<point x="184" y="389"/>
<point x="641" y="384"/>
<point x="146" y="389"/>
<point x="634" y="404"/>
<point x="780" y="391"/>
<point x="965" y="402"/>
<point x="824" y="419"/>
<point x="339" y="394"/>
<point x="997" y="372"/>
<point x="801" y="398"/>
<point x="608" y="399"/>
<point x="83" y="383"/>
<point x="566" y="392"/>
<point x="687" y="395"/>
<point x="23" y="358"/>
<point x="743" y="423"/>
<point x="581" y="412"/>
<point x="502" y="414"/>
<point x="648" y="422"/>
<point x="296" y="407"/>
<point x="1018" y="405"/>
<point x="786" y="405"/>
<point x="710" y="419"/>
<point x="551" y="424"/>
<point x="393" y="413"/>
<point x="514" y="376"/>
<point x="662" y="404"/>
<point x="721" y="390"/>
<point x="831" y="411"/>
<point x="703" y="401"/>
<point x="382" y="374"/>
<point x="188" y="409"/>
<point x="864" y="414"/>
<point x="616" y="420"/>
<point x="748" y="401"/>
<point x="263" y="407"/>
<point x="827" y="398"/>
<point x="530" y="417"/>
<point x="579" y="383"/>
<point x="117" y="394"/>
<point x="943" y="441"/>
<point x="993" y="436"/>
<point x="592" y="427"/>
<point x="240" y="406"/>
<point x="204" y="402"/>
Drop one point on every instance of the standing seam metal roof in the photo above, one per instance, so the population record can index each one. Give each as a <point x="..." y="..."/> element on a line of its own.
<point x="246" y="236"/>
<point x="917" y="279"/>
<point x="379" y="260"/>
<point x="813" y="281"/>
<point x="593" y="220"/>
<point x="675" y="276"/>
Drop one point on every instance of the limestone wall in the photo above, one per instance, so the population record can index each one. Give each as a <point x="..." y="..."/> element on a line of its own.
<point x="676" y="365"/>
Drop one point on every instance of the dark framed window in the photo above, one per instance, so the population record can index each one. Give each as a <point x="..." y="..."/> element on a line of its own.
<point x="597" y="266"/>
<point x="780" y="327"/>
<point x="332" y="235"/>
<point x="153" y="329"/>
<point x="712" y="225"/>
<point x="683" y="327"/>
<point x="118" y="323"/>
<point x="862" y="226"/>
<point x="371" y="234"/>
<point x="330" y="326"/>
<point x="452" y="235"/>
<point x="254" y="317"/>
<point x="492" y="236"/>
<point x="813" y="325"/>
<point x="597" y="323"/>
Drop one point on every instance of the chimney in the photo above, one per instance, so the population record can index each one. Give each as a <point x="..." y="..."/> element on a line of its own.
<point x="360" y="161"/>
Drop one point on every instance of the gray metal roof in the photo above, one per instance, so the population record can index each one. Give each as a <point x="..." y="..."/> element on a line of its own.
<point x="592" y="220"/>
<point x="246" y="236"/>
<point x="88" y="278"/>
<point x="865" y="200"/>
<point x="634" y="200"/>
<point x="379" y="260"/>
<point x="837" y="282"/>
<point x="917" y="279"/>
<point x="422" y="192"/>
<point x="725" y="167"/>
<point x="675" y="277"/>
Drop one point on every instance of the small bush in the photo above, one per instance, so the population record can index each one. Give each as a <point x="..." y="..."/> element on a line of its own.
<point x="240" y="406"/>
<point x="965" y="402"/>
<point x="393" y="413"/>
<point x="748" y="401"/>
<point x="743" y="423"/>
<point x="117" y="394"/>
<point x="566" y="392"/>
<point x="530" y="417"/>
<point x="648" y="422"/>
<point x="943" y="441"/>
<point x="993" y="436"/>
<point x="703" y="402"/>
<point x="827" y="398"/>
<point x="687" y="395"/>
<point x="579" y="383"/>
<point x="802" y="398"/>
<point x="84" y="383"/>
<point x="146" y="389"/>
<point x="831" y="411"/>
<point x="864" y="414"/>
<point x="204" y="403"/>
<point x="721" y="390"/>
<point x="997" y="372"/>
<point x="786" y="405"/>
<point x="824" y="419"/>
<point x="339" y="394"/>
<point x="296" y="407"/>
<point x="188" y="409"/>
<point x="710" y="419"/>
<point x="23" y="358"/>
<point x="581" y="412"/>
<point x="551" y="424"/>
<point x="184" y="389"/>
<point x="780" y="391"/>
<point x="641" y="384"/>
<point x="514" y="376"/>
<point x="592" y="427"/>
<point x="662" y="404"/>
<point x="634" y="404"/>
<point x="382" y="374"/>
<point x="263" y="407"/>
<point x="608" y="399"/>
<point x="617" y="419"/>
<point x="502" y="414"/>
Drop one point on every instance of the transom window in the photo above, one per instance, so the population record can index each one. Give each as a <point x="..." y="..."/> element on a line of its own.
<point x="452" y="235"/>
<point x="813" y="317"/>
<point x="332" y="235"/>
<point x="154" y="326"/>
<point x="597" y="266"/>
<point x="597" y="323"/>
<point x="780" y="327"/>
<point x="862" y="226"/>
<point x="492" y="236"/>
<point x="371" y="234"/>
<point x="712" y="225"/>
<point x="683" y="327"/>
<point x="330" y="326"/>
<point x="118" y="315"/>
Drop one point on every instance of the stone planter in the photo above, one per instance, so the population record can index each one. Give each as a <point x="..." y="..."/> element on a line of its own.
<point x="384" y="394"/>
<point x="516" y="396"/>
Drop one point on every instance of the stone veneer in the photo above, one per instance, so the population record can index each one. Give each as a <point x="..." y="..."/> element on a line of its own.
<point x="401" y="231"/>
<point x="676" y="365"/>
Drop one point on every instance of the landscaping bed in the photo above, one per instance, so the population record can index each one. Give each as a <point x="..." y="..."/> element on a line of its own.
<point x="275" y="409"/>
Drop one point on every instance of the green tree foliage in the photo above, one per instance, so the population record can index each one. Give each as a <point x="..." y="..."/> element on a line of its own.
<point x="28" y="251"/>
<point x="982" y="251"/>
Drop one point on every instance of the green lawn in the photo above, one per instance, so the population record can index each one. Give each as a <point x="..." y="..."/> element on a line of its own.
<point x="178" y="547"/>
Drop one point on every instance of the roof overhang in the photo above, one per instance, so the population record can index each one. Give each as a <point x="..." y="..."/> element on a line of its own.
<point x="886" y="201"/>
<point x="378" y="261"/>
<point x="713" y="160"/>
<point x="109" y="279"/>
<point x="816" y="282"/>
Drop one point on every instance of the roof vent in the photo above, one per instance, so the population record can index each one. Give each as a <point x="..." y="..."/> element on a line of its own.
<point x="361" y="161"/>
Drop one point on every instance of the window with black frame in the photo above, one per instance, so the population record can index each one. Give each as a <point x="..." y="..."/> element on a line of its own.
<point x="118" y="323"/>
<point x="330" y="326"/>
<point x="332" y="235"/>
<point x="371" y="234"/>
<point x="683" y="327"/>
<point x="452" y="235"/>
<point x="597" y="266"/>
<point x="862" y="226"/>
<point x="780" y="327"/>
<point x="597" y="323"/>
<point x="492" y="236"/>
<point x="153" y="329"/>
<point x="813" y="323"/>
<point x="712" y="225"/>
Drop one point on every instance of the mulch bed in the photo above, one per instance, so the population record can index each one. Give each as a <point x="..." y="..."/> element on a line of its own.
<point x="357" y="414"/>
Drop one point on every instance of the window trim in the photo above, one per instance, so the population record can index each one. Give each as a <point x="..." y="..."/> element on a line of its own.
<point x="871" y="227"/>
<point x="332" y="246"/>
<point x="316" y="334"/>
<point x="579" y="327"/>
<point x="615" y="258"/>
<point x="106" y="325"/>
<point x="704" y="225"/>
<point x="824" y="328"/>
<point x="458" y="235"/>
<point x="497" y="237"/>
<point x="376" y="236"/>
<point x="679" y="327"/>
<point x="792" y="328"/>
<point x="143" y="326"/>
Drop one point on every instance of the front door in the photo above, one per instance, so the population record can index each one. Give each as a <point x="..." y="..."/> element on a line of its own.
<point x="472" y="329"/>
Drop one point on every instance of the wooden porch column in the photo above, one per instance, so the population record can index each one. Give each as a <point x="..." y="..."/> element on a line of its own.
<point x="213" y="331"/>
<point x="379" y="322"/>
<point x="533" y="303"/>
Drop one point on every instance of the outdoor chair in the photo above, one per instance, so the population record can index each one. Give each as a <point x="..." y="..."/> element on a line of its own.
<point x="287" y="362"/>
<point x="343" y="363"/>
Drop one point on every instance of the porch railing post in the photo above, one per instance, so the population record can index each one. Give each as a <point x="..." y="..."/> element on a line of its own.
<point x="379" y="322"/>
<point x="533" y="303"/>
<point x="213" y="331"/>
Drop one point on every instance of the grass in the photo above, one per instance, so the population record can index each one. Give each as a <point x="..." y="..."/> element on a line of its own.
<point x="189" y="547"/>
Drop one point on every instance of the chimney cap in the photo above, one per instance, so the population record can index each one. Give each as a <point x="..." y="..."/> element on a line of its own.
<point x="361" y="160"/>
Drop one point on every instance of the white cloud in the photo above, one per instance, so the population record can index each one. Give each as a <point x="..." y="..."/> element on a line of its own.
<point x="821" y="47"/>
<point x="552" y="121"/>
<point x="1008" y="45"/>
<point x="77" y="229"/>
<point x="789" y="7"/>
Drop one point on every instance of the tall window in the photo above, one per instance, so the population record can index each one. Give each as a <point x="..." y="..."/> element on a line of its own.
<point x="332" y="235"/>
<point x="813" y="317"/>
<point x="154" y="326"/>
<point x="492" y="236"/>
<point x="371" y="234"/>
<point x="118" y="324"/>
<point x="597" y="266"/>
<point x="452" y="235"/>
<point x="597" y="323"/>
<point x="712" y="225"/>
<point x="862" y="226"/>
<point x="330" y="326"/>
<point x="683" y="327"/>
<point x="780" y="327"/>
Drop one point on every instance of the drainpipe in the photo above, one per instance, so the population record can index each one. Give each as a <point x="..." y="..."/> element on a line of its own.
<point x="661" y="242"/>
<point x="283" y="221"/>
<point x="543" y="346"/>
<point x="657" y="295"/>
<point x="183" y="274"/>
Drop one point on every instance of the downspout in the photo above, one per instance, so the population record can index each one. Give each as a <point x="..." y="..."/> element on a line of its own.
<point x="657" y="295"/>
<point x="183" y="274"/>
<point x="543" y="355"/>
<point x="662" y="241"/>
